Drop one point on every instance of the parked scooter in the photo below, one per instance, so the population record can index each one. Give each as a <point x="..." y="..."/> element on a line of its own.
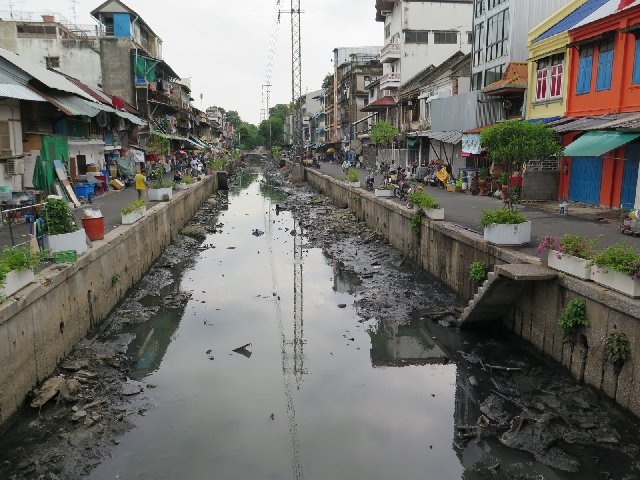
<point x="368" y="182"/>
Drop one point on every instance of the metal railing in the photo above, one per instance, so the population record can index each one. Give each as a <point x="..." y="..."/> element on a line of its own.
<point x="12" y="217"/>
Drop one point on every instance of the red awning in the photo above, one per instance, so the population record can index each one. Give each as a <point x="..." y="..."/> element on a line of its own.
<point x="380" y="104"/>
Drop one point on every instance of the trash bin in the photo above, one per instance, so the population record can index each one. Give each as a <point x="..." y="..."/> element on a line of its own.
<point x="94" y="227"/>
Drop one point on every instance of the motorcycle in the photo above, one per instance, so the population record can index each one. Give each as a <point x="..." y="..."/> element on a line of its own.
<point x="368" y="182"/>
<point x="315" y="163"/>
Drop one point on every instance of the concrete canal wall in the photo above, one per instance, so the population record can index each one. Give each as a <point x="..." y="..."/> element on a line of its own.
<point x="40" y="326"/>
<point x="446" y="251"/>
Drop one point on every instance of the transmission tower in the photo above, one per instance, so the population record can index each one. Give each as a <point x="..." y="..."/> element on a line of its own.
<point x="296" y="77"/>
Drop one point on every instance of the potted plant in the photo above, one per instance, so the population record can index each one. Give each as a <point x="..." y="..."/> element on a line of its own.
<point x="428" y="204"/>
<point x="16" y="269"/>
<point x="570" y="254"/>
<point x="160" y="189"/>
<point x="503" y="180"/>
<point x="60" y="231"/>
<point x="387" y="190"/>
<point x="186" y="182"/>
<point x="618" y="267"/>
<point x="133" y="212"/>
<point x="352" y="176"/>
<point x="483" y="173"/>
<point x="505" y="226"/>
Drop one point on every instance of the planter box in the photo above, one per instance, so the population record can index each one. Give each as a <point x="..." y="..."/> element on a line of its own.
<point x="133" y="217"/>
<point x="16" y="280"/>
<point x="157" y="194"/>
<point x="500" y="234"/>
<point x="354" y="184"/>
<point x="453" y="188"/>
<point x="67" y="241"/>
<point x="574" y="266"/>
<point x="616" y="281"/>
<point x="434" y="213"/>
<point x="384" y="193"/>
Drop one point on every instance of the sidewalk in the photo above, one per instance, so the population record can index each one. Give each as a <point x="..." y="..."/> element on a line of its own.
<point x="464" y="210"/>
<point x="109" y="204"/>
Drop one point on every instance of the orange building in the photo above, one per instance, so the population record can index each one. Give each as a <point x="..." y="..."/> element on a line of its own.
<point x="604" y="85"/>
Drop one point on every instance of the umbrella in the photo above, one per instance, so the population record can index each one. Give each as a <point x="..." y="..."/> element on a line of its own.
<point x="182" y="152"/>
<point x="42" y="175"/>
<point x="331" y="150"/>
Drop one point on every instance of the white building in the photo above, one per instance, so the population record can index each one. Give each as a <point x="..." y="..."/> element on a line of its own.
<point x="54" y="43"/>
<point x="421" y="33"/>
<point x="500" y="34"/>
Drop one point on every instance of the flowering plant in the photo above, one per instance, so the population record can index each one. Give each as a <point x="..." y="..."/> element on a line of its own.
<point x="574" y="245"/>
<point x="620" y="258"/>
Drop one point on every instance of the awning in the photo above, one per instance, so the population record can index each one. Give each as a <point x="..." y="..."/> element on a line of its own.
<point x="599" y="142"/>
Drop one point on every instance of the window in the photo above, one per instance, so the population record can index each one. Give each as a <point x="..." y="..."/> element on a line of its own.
<point x="549" y="77"/>
<point x="387" y="30"/>
<point x="52" y="62"/>
<point x="479" y="7"/>
<point x="470" y="38"/>
<point x="5" y="140"/>
<point x="584" y="70"/>
<point x="493" y="75"/>
<point x="636" y="63"/>
<point x="476" y="81"/>
<point x="416" y="36"/>
<point x="605" y="65"/>
<point x="478" y="44"/>
<point x="497" y="36"/>
<point x="445" y="37"/>
<point x="494" y="3"/>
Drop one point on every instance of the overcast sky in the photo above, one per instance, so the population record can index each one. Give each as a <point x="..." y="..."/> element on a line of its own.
<point x="223" y="45"/>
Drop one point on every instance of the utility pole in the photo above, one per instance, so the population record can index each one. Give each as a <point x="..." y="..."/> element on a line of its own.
<point x="296" y="77"/>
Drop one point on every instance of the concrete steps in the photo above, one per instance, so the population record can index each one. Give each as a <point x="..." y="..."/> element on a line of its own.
<point x="499" y="290"/>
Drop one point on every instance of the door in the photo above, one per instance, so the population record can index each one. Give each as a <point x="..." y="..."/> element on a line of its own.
<point x="586" y="177"/>
<point x="629" y="180"/>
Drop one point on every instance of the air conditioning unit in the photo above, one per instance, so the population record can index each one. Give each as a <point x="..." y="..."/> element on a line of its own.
<point x="15" y="166"/>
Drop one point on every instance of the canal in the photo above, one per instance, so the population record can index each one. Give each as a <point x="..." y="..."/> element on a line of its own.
<point x="285" y="361"/>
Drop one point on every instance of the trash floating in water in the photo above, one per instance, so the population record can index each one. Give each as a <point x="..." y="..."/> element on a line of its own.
<point x="257" y="233"/>
<point x="243" y="350"/>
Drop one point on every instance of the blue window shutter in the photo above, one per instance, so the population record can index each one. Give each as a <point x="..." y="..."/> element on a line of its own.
<point x="605" y="67"/>
<point x="121" y="25"/>
<point x="584" y="75"/>
<point x="636" y="64"/>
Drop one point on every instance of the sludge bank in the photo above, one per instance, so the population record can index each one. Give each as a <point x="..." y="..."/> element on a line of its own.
<point x="40" y="326"/>
<point x="446" y="251"/>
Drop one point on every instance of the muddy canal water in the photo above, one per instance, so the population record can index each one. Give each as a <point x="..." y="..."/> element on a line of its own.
<point x="269" y="373"/>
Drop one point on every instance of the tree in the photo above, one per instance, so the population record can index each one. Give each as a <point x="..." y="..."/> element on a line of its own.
<point x="272" y="129"/>
<point x="383" y="134"/>
<point x="248" y="136"/>
<point x="515" y="142"/>
<point x="234" y="118"/>
<point x="281" y="110"/>
<point x="328" y="81"/>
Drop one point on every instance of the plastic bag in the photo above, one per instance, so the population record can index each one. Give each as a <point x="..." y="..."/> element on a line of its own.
<point x="92" y="213"/>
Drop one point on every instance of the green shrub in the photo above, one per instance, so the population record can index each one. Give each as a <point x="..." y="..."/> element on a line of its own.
<point x="18" y="258"/>
<point x="478" y="272"/>
<point x="483" y="173"/>
<point x="574" y="316"/>
<point x="503" y="216"/>
<point x="423" y="200"/>
<point x="57" y="217"/>
<point x="620" y="258"/>
<point x="187" y="180"/>
<point x="430" y="202"/>
<point x="417" y="198"/>
<point x="619" y="348"/>
<point x="352" y="175"/>
<point x="132" y="207"/>
<point x="503" y="179"/>
<point x="416" y="222"/>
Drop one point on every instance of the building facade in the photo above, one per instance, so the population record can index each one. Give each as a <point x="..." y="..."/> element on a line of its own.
<point x="500" y="30"/>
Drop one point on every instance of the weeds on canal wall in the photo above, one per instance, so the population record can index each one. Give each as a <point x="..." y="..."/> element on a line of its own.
<point x="574" y="316"/>
<point x="416" y="223"/>
<point x="478" y="272"/>
<point x="619" y="348"/>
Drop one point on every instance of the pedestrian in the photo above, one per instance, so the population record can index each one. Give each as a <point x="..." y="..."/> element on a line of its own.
<point x="141" y="183"/>
<point x="194" y="167"/>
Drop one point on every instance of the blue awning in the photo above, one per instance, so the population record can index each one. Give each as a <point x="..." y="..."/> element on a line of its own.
<point x="543" y="120"/>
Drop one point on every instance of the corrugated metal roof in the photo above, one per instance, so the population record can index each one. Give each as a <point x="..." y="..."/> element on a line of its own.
<point x="587" y="123"/>
<point x="74" y="105"/>
<point x="21" y="92"/>
<point x="453" y="136"/>
<point x="632" y="121"/>
<point x="47" y="77"/>
<point x="571" y="20"/>
<point x="131" y="117"/>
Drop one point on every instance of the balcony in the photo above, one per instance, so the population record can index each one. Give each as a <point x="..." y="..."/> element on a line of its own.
<point x="390" y="53"/>
<point x="390" y="81"/>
